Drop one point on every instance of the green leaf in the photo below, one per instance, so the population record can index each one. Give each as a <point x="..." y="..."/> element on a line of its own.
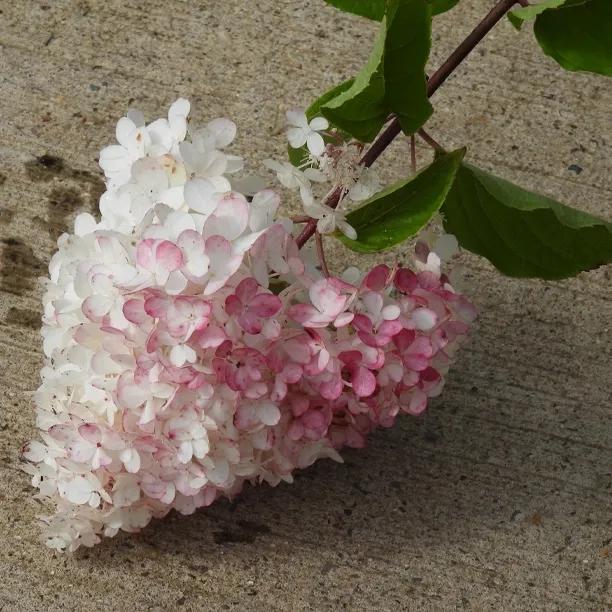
<point x="393" y="80"/>
<point x="399" y="212"/>
<point x="441" y="6"/>
<point x="523" y="234"/>
<point x="372" y="9"/>
<point x="406" y="52"/>
<point x="375" y="9"/>
<point x="578" y="35"/>
<point x="361" y="109"/>
<point x="297" y="156"/>
<point x="526" y="13"/>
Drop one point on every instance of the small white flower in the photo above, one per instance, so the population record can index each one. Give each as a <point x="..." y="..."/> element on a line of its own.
<point x="302" y="132"/>
<point x="81" y="490"/>
<point x="365" y="187"/>
<point x="330" y="219"/>
<point x="264" y="205"/>
<point x="293" y="178"/>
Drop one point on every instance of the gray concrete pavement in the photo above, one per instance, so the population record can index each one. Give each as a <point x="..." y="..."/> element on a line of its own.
<point x="500" y="497"/>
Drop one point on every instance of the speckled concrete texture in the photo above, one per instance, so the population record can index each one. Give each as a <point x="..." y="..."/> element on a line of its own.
<point x="499" y="498"/>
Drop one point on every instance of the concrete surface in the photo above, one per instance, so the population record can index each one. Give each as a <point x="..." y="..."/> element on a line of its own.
<point x="499" y="498"/>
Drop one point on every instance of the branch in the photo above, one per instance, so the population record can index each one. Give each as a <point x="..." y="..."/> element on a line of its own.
<point x="437" y="78"/>
<point x="301" y="219"/>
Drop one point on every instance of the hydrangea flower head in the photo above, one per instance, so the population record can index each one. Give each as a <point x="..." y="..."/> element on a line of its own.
<point x="174" y="373"/>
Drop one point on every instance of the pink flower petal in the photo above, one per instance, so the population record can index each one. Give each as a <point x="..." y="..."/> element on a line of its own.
<point x="96" y="306"/>
<point x="377" y="278"/>
<point x="406" y="280"/>
<point x="168" y="256"/>
<point x="265" y="305"/>
<point x="233" y="305"/>
<point x="134" y="311"/>
<point x="247" y="290"/>
<point x="90" y="432"/>
<point x="417" y="402"/>
<point x="363" y="382"/>
<point x="145" y="253"/>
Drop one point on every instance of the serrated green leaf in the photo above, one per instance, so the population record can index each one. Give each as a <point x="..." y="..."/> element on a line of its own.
<point x="400" y="211"/>
<point x="525" y="13"/>
<point x="297" y="156"/>
<point x="393" y="80"/>
<point x="441" y="6"/>
<point x="578" y="35"/>
<point x="523" y="234"/>
<point x="372" y="9"/>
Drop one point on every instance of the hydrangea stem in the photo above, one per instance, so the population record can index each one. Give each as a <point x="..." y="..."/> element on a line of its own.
<point x="432" y="142"/>
<point x="413" y="156"/>
<point x="387" y="136"/>
<point x="321" y="253"/>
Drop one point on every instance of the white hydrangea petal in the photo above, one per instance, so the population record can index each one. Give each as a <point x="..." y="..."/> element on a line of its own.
<point x="77" y="491"/>
<point x="347" y="229"/>
<point x="234" y="163"/>
<point x="173" y="197"/>
<point x="222" y="185"/>
<point x="269" y="414"/>
<point x="446" y="246"/>
<point x="297" y="137"/>
<point x="248" y="185"/>
<point x="177" y="118"/>
<point x="424" y="318"/>
<point x="297" y="117"/>
<point x="125" y="131"/>
<point x="201" y="196"/>
<point x="114" y="158"/>
<point x="84" y="224"/>
<point x="131" y="460"/>
<point x="136" y="116"/>
<point x="316" y="144"/>
<point x="319" y="123"/>
<point x="263" y="209"/>
<point x="35" y="451"/>
<point x="224" y="131"/>
<point x="161" y="135"/>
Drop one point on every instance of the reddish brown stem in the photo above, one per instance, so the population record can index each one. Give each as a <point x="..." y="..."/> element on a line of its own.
<point x="437" y="78"/>
<point x="321" y="253"/>
<point x="413" y="158"/>
<point x="432" y="142"/>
